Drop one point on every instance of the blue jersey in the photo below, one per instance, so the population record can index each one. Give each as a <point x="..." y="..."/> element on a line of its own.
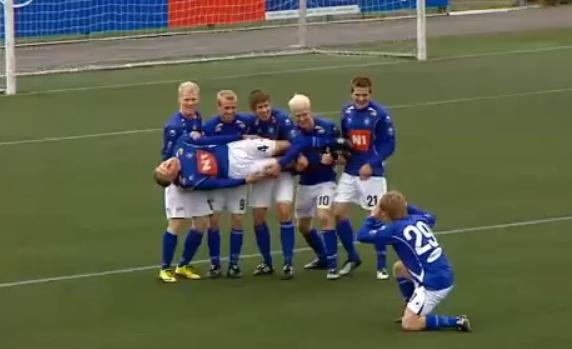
<point x="278" y="127"/>
<point x="204" y="163"/>
<point x="312" y="144"/>
<point x="239" y="126"/>
<point x="372" y="135"/>
<point x="415" y="245"/>
<point x="177" y="126"/>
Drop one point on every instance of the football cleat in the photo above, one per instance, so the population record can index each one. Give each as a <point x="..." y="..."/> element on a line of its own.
<point x="317" y="264"/>
<point x="332" y="274"/>
<point x="167" y="275"/>
<point x="188" y="272"/>
<point x="234" y="272"/>
<point x="349" y="267"/>
<point x="382" y="274"/>
<point x="263" y="269"/>
<point x="214" y="272"/>
<point x="288" y="272"/>
<point x="463" y="323"/>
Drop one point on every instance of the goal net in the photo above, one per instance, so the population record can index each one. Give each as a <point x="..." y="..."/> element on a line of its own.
<point x="71" y="35"/>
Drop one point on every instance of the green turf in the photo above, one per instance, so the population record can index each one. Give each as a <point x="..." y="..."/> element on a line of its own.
<point x="88" y="205"/>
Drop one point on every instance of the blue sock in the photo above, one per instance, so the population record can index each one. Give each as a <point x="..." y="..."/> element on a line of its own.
<point x="316" y="243"/>
<point x="346" y="234"/>
<point x="381" y="251"/>
<point x="331" y="242"/>
<point x="262" y="234"/>
<point x="235" y="245"/>
<point x="406" y="287"/>
<point x="435" y="322"/>
<point x="287" y="239"/>
<point x="192" y="243"/>
<point x="213" y="241"/>
<point x="169" y="245"/>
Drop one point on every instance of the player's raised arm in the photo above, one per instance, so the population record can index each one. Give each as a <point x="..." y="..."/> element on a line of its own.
<point x="429" y="218"/>
<point x="170" y="137"/>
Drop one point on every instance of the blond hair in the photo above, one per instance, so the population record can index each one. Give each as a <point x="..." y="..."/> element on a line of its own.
<point x="394" y="204"/>
<point x="299" y="102"/>
<point x="188" y="86"/>
<point x="226" y="95"/>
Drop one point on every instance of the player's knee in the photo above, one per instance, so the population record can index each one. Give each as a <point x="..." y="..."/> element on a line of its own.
<point x="341" y="212"/>
<point x="236" y="221"/>
<point x="399" y="270"/>
<point x="283" y="211"/>
<point x="213" y="221"/>
<point x="259" y="215"/>
<point x="326" y="219"/>
<point x="201" y="223"/>
<point x="412" y="323"/>
<point x="304" y="226"/>
<point x="178" y="225"/>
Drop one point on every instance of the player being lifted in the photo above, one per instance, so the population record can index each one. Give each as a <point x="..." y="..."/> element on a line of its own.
<point x="227" y="122"/>
<point x="182" y="206"/>
<point x="273" y="124"/>
<point x="369" y="128"/>
<point x="424" y="274"/>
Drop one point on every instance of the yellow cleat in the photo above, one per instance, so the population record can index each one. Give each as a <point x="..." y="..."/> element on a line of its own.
<point x="167" y="275"/>
<point x="188" y="272"/>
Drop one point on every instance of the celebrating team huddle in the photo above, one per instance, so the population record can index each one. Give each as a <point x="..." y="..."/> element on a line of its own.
<point x="236" y="160"/>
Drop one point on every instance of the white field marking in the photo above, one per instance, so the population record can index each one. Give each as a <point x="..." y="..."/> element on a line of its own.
<point x="332" y="112"/>
<point x="254" y="255"/>
<point x="296" y="70"/>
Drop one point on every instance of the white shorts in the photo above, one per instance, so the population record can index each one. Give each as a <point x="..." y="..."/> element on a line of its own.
<point x="265" y="193"/>
<point x="351" y="189"/>
<point x="180" y="203"/>
<point x="249" y="156"/>
<point x="423" y="301"/>
<point x="232" y="200"/>
<point x="310" y="197"/>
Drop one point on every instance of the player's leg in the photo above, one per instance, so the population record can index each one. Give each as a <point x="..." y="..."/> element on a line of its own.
<point x="417" y="315"/>
<point x="197" y="203"/>
<point x="179" y="219"/>
<point x="370" y="192"/>
<point x="347" y="193"/>
<point x="236" y="206"/>
<point x="216" y="202"/>
<point x="305" y="208"/>
<point x="259" y="200"/>
<point x="325" y="214"/>
<point x="283" y="195"/>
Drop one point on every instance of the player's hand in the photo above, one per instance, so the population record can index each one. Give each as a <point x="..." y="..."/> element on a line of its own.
<point x="196" y="135"/>
<point x="273" y="170"/>
<point x="251" y="137"/>
<point x="301" y="163"/>
<point x="365" y="172"/>
<point x="376" y="212"/>
<point x="341" y="160"/>
<point x="327" y="159"/>
<point x="253" y="178"/>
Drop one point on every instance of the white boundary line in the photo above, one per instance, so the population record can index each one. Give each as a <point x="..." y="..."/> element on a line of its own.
<point x="296" y="70"/>
<point x="332" y="112"/>
<point x="248" y="256"/>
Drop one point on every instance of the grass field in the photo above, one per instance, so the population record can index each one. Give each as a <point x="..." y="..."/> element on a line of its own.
<point x="483" y="139"/>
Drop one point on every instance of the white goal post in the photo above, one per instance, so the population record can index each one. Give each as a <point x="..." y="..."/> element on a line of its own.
<point x="93" y="34"/>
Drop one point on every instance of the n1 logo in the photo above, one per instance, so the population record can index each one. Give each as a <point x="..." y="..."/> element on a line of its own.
<point x="361" y="140"/>
<point x="420" y="232"/>
<point x="206" y="163"/>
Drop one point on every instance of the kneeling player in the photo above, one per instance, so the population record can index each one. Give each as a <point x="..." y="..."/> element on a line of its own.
<point x="424" y="274"/>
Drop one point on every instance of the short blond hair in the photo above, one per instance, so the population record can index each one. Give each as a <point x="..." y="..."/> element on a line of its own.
<point x="298" y="102"/>
<point x="188" y="86"/>
<point x="226" y="95"/>
<point x="394" y="204"/>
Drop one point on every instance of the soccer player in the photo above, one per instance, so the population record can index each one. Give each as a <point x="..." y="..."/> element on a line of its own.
<point x="424" y="274"/>
<point x="182" y="206"/>
<point x="273" y="124"/>
<point x="317" y="185"/>
<point x="368" y="126"/>
<point x="228" y="122"/>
